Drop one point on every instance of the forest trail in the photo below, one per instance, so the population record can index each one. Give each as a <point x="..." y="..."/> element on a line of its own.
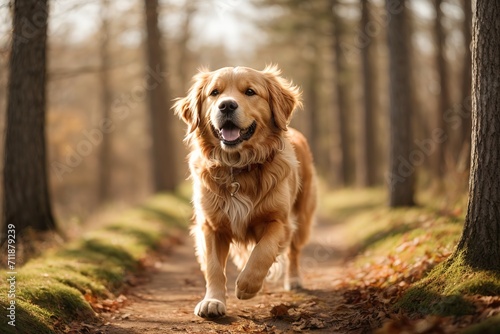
<point x="165" y="303"/>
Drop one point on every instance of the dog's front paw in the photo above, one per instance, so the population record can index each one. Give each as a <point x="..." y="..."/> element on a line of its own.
<point x="247" y="286"/>
<point x="210" y="308"/>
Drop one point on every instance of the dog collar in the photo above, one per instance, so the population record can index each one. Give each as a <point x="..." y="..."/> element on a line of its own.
<point x="247" y="169"/>
<point x="235" y="185"/>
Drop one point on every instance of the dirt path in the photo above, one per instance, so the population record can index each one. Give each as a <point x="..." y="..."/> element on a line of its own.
<point x="165" y="303"/>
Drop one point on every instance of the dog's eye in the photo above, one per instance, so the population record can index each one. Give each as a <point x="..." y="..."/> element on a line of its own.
<point x="250" y="92"/>
<point x="215" y="92"/>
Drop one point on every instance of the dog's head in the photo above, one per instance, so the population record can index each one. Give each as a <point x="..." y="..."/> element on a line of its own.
<point x="238" y="108"/>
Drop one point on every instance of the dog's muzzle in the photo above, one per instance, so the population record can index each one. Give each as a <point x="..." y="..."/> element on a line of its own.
<point x="226" y="128"/>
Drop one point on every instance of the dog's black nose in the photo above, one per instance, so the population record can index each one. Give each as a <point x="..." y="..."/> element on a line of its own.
<point x="228" y="106"/>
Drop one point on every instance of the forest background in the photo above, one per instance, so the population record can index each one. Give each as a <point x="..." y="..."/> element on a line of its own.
<point x="336" y="51"/>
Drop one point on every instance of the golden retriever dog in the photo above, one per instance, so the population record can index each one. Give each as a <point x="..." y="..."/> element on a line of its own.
<point x="254" y="191"/>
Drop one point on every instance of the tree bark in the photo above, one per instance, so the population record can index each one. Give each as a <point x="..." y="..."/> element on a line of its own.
<point x="104" y="186"/>
<point x="444" y="103"/>
<point x="466" y="124"/>
<point x="26" y="195"/>
<point x="367" y="167"/>
<point x="480" y="241"/>
<point x="163" y="150"/>
<point x="401" y="167"/>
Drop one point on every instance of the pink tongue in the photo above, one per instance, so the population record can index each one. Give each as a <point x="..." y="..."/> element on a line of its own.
<point x="230" y="134"/>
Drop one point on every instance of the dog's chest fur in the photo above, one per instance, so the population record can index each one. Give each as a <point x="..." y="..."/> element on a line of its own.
<point x="237" y="209"/>
<point x="260" y="190"/>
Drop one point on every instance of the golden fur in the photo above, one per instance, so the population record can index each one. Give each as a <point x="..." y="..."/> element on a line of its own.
<point x="253" y="178"/>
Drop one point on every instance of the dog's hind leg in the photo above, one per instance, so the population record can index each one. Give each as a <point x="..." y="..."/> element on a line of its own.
<point x="299" y="239"/>
<point x="304" y="209"/>
<point x="292" y="276"/>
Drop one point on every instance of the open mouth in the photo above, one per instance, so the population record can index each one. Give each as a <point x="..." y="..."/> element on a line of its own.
<point x="232" y="135"/>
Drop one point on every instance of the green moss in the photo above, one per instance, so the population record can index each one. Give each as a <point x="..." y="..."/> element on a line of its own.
<point x="63" y="301"/>
<point x="65" y="271"/>
<point x="51" y="287"/>
<point x="456" y="277"/>
<point x="30" y="318"/>
<point x="421" y="300"/>
<point x="147" y="238"/>
<point x="370" y="226"/>
<point x="442" y="291"/>
<point x="429" y="231"/>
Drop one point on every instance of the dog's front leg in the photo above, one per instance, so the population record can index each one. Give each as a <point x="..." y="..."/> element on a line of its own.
<point x="215" y="257"/>
<point x="272" y="242"/>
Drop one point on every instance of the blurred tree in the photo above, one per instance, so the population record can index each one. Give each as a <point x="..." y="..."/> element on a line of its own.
<point x="26" y="201"/>
<point x="298" y="41"/>
<point x="480" y="241"/>
<point x="343" y="89"/>
<point x="368" y="153"/>
<point x="189" y="10"/>
<point x="311" y="93"/>
<point x="164" y="170"/>
<point x="444" y="100"/>
<point x="401" y="168"/>
<point x="465" y="94"/>
<point x="104" y="185"/>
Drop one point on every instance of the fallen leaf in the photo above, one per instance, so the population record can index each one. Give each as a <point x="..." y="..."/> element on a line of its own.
<point x="280" y="310"/>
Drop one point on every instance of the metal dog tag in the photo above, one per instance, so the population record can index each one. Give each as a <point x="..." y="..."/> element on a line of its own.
<point x="235" y="186"/>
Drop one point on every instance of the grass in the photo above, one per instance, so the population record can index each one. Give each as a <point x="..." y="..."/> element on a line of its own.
<point x="429" y="231"/>
<point x="50" y="289"/>
<point x="374" y="230"/>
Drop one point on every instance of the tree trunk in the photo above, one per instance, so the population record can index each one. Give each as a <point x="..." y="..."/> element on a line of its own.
<point x="347" y="172"/>
<point x="163" y="152"/>
<point x="480" y="241"/>
<point x="184" y="61"/>
<point x="401" y="165"/>
<point x="367" y="167"/>
<point x="104" y="186"/>
<point x="26" y="195"/>
<point x="443" y="105"/>
<point x="466" y="125"/>
<point x="311" y="96"/>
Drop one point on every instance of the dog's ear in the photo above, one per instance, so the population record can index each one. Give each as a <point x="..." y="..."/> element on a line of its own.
<point x="284" y="97"/>
<point x="189" y="108"/>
